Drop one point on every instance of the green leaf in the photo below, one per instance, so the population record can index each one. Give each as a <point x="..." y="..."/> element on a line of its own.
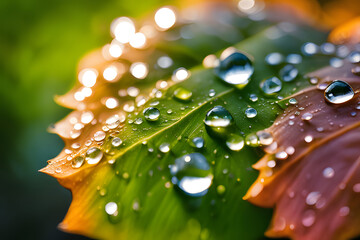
<point x="136" y="174"/>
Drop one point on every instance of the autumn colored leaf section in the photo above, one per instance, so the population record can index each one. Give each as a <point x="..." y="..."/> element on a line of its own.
<point x="311" y="173"/>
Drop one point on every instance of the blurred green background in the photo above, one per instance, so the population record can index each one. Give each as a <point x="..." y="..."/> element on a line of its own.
<point x="41" y="43"/>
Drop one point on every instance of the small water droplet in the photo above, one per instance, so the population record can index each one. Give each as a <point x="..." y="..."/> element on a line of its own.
<point x="274" y="58"/>
<point x="93" y="155"/>
<point x="265" y="138"/>
<point x="328" y="172"/>
<point x="344" y="211"/>
<point x="192" y="174"/>
<point x="99" y="136"/>
<point x="356" y="70"/>
<point x="250" y="112"/>
<point x="253" y="97"/>
<point x="164" y="62"/>
<point x="271" y="85"/>
<point x="252" y="140"/>
<point x="309" y="49"/>
<point x="294" y="58"/>
<point x="328" y="48"/>
<point x="235" y="142"/>
<point x="151" y="114"/>
<point x="338" y="92"/>
<point x="307" y="116"/>
<point x="116" y="141"/>
<point x="282" y="155"/>
<point x="288" y="73"/>
<point x="293" y="101"/>
<point x="164" y="148"/>
<point x="312" y="198"/>
<point x="111" y="208"/>
<point x="77" y="162"/>
<point x="308" y="218"/>
<point x="313" y="80"/>
<point x="182" y="94"/>
<point x="221" y="189"/>
<point x="198" y="142"/>
<point x="180" y="74"/>
<point x="356" y="188"/>
<point x="212" y="93"/>
<point x="138" y="121"/>
<point x="354" y="57"/>
<point x="336" y="62"/>
<point x="308" y="138"/>
<point x="235" y="69"/>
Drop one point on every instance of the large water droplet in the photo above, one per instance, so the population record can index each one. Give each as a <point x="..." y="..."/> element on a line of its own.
<point x="271" y="85"/>
<point x="235" y="142"/>
<point x="289" y="73"/>
<point x="192" y="174"/>
<point x="339" y="92"/>
<point x="250" y="112"/>
<point x="77" y="162"/>
<point x="218" y="117"/>
<point x="93" y="155"/>
<point x="235" y="69"/>
<point x="151" y="114"/>
<point x="182" y="94"/>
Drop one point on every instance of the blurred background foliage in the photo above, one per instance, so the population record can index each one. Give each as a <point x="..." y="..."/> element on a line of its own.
<point x="41" y="43"/>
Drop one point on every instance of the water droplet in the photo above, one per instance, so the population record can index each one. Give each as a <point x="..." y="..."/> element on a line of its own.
<point x="328" y="48"/>
<point x="151" y="114"/>
<point x="221" y="189"/>
<point x="271" y="85"/>
<point x="212" y="93"/>
<point x="338" y="92"/>
<point x="93" y="155"/>
<point x="354" y="57"/>
<point x="308" y="138"/>
<point x="274" y="58"/>
<point x="58" y="170"/>
<point x="336" y="62"/>
<point x="312" y="198"/>
<point x="180" y="74"/>
<point x="288" y="73"/>
<point x="282" y="155"/>
<point x="356" y="70"/>
<point x="293" y="101"/>
<point x="356" y="188"/>
<point x="250" y="112"/>
<point x="307" y="116"/>
<point x="235" y="142"/>
<point x="309" y="49"/>
<point x="252" y="140"/>
<point x="313" y="80"/>
<point x="308" y="218"/>
<point x="99" y="136"/>
<point x="138" y="121"/>
<point x="328" y="172"/>
<point x="116" y="141"/>
<point x="198" y="142"/>
<point x="164" y="148"/>
<point x="265" y="138"/>
<point x="253" y="97"/>
<point x="192" y="174"/>
<point x="218" y="117"/>
<point x="182" y="94"/>
<point x="164" y="62"/>
<point x="87" y="117"/>
<point x="344" y="211"/>
<point x="77" y="162"/>
<point x="111" y="208"/>
<point x="236" y="69"/>
<point x="294" y="58"/>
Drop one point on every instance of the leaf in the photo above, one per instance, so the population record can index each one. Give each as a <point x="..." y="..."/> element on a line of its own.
<point x="315" y="190"/>
<point x="135" y="175"/>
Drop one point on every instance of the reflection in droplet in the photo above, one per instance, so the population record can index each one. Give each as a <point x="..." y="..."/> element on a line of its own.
<point x="218" y="117"/>
<point x="77" y="162"/>
<point x="198" y="142"/>
<point x="250" y="112"/>
<point x="151" y="114"/>
<point x="116" y="141"/>
<point x="93" y="155"/>
<point x="236" y="69"/>
<point x="235" y="142"/>
<point x="192" y="174"/>
<point x="288" y="73"/>
<point x="338" y="92"/>
<point x="265" y="138"/>
<point x="271" y="85"/>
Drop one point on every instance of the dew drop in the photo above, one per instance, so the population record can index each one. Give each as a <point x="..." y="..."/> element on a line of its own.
<point x="252" y="140"/>
<point x="111" y="208"/>
<point x="356" y="188"/>
<point x="235" y="69"/>
<point x="182" y="94"/>
<point x="77" y="162"/>
<point x="312" y="198"/>
<point x="338" y="92"/>
<point x="308" y="218"/>
<point x="151" y="114"/>
<point x="265" y="138"/>
<point x="294" y="58"/>
<point x="253" y="97"/>
<point x="344" y="211"/>
<point x="218" y="117"/>
<point x="274" y="58"/>
<point x="164" y="148"/>
<point x="336" y="62"/>
<point x="307" y="116"/>
<point x="328" y="172"/>
<point x="212" y="93"/>
<point x="192" y="174"/>
<point x="99" y="136"/>
<point x="308" y="138"/>
<point x="356" y="70"/>
<point x="221" y="189"/>
<point x="198" y="142"/>
<point x="250" y="112"/>
<point x="93" y="155"/>
<point x="309" y="49"/>
<point x="288" y="73"/>
<point x="271" y="86"/>
<point x="235" y="142"/>
<point x="116" y="141"/>
<point x="354" y="57"/>
<point x="293" y="101"/>
<point x="180" y="74"/>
